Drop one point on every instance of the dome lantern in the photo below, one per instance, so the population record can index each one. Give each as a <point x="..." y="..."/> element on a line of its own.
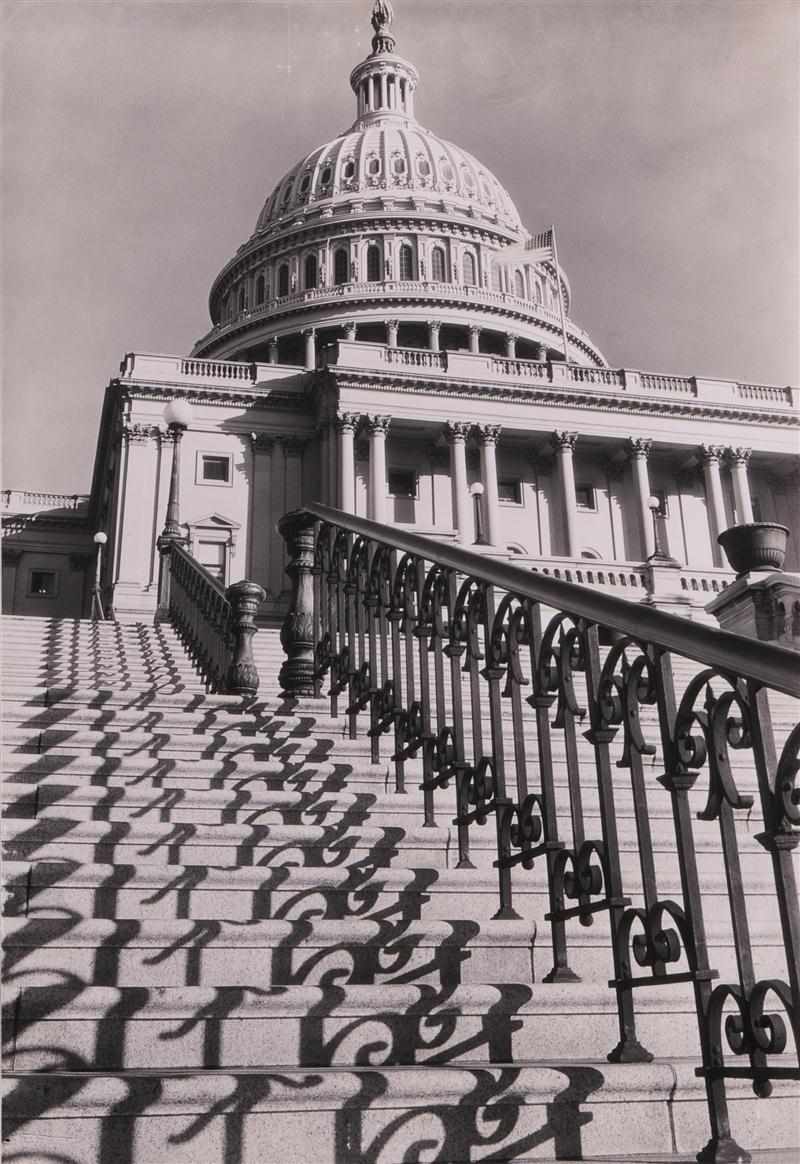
<point x="384" y="83"/>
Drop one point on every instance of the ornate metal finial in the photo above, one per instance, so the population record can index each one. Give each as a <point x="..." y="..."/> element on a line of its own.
<point x="382" y="17"/>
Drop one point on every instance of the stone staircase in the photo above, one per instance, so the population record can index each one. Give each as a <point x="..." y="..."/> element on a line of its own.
<point x="228" y="941"/>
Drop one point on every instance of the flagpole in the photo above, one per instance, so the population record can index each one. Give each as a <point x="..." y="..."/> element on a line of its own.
<point x="560" y="294"/>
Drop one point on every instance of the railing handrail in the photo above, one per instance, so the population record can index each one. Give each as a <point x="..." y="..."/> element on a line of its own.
<point x="181" y="552"/>
<point x="769" y="664"/>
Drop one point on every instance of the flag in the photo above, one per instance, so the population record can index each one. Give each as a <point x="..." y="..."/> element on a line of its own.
<point x="541" y="247"/>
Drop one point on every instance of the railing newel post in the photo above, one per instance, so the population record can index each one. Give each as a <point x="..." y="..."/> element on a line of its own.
<point x="242" y="676"/>
<point x="296" y="676"/>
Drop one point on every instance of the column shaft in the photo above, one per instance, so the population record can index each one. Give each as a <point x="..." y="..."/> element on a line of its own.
<point x="741" y="486"/>
<point x="346" y="427"/>
<point x="565" y="443"/>
<point x="377" y="427"/>
<point x="462" y="509"/>
<point x="640" y="450"/>
<point x="714" y="501"/>
<point x="489" y="434"/>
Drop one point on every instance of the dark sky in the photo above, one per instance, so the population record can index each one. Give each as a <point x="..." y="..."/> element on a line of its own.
<point x="141" y="139"/>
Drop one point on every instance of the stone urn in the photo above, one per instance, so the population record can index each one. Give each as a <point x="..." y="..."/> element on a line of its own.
<point x="759" y="545"/>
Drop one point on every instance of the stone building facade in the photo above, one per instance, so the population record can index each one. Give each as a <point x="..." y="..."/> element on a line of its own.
<point x="390" y="341"/>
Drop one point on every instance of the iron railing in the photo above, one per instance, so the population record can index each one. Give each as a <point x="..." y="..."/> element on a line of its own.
<point x="484" y="671"/>
<point x="215" y="624"/>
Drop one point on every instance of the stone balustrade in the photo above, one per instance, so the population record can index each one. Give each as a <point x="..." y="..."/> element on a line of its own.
<point x="31" y="501"/>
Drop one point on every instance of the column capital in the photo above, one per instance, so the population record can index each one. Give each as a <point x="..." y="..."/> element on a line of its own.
<point x="393" y="324"/>
<point x="511" y="337"/>
<point x="140" y="434"/>
<point x="489" y="434"/>
<point x="434" y="324"/>
<point x="349" y="327"/>
<point x="712" y="454"/>
<point x="261" y="442"/>
<point x="564" y="441"/>
<point x="738" y="455"/>
<point x="309" y="331"/>
<point x="347" y="422"/>
<point x="378" y="424"/>
<point x="457" y="430"/>
<point x="475" y="329"/>
<point x="273" y="341"/>
<point x="639" y="447"/>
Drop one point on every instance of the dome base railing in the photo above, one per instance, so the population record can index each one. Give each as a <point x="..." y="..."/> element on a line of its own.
<point x="482" y="670"/>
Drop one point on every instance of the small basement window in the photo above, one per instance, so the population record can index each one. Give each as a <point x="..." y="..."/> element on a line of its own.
<point x="510" y="491"/>
<point x="215" y="469"/>
<point x="43" y="584"/>
<point x="402" y="483"/>
<point x="585" y="497"/>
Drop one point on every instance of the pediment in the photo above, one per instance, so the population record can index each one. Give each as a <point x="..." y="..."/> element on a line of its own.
<point x="216" y="521"/>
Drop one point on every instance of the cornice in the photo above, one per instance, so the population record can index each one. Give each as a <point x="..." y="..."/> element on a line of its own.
<point x="557" y="397"/>
<point x="203" y="394"/>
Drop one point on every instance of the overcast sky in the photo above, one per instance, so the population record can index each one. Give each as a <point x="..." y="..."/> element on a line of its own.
<point x="142" y="138"/>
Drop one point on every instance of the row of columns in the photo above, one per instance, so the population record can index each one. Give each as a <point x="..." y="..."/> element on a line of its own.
<point x="457" y="434"/>
<point x="392" y="327"/>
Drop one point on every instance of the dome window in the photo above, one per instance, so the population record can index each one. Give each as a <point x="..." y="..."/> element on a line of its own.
<point x="486" y="190"/>
<point x="423" y="168"/>
<point x="468" y="180"/>
<point x="310" y="272"/>
<point x="325" y="177"/>
<point x="373" y="263"/>
<point x="287" y="193"/>
<point x="374" y="167"/>
<point x="437" y="265"/>
<point x="497" y="279"/>
<point x="349" y="169"/>
<point x="283" y="280"/>
<point x="399" y="165"/>
<point x="406" y="262"/>
<point x="260" y="288"/>
<point x="242" y="299"/>
<point x="341" y="267"/>
<point x="519" y="285"/>
<point x="470" y="270"/>
<point x="304" y="185"/>
<point x="448" y="173"/>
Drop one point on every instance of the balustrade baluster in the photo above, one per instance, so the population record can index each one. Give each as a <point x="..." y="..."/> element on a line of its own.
<point x="454" y="649"/>
<point x="422" y="632"/>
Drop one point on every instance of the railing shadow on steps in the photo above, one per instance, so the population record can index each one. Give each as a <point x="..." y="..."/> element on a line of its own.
<point x="216" y="624"/>
<point x="430" y="642"/>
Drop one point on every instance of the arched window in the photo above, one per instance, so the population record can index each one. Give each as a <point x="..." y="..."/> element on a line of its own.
<point x="437" y="265"/>
<point x="497" y="282"/>
<point x="283" y="280"/>
<point x="260" y="285"/>
<point x="341" y="266"/>
<point x="242" y="299"/>
<point x="519" y="285"/>
<point x="537" y="291"/>
<point x="470" y="273"/>
<point x="310" y="271"/>
<point x="406" y="262"/>
<point x="373" y="263"/>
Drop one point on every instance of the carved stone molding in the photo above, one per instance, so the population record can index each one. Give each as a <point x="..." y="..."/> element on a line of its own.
<point x="140" y="434"/>
<point x="376" y="424"/>
<point x="457" y="430"/>
<point x="639" y="447"/>
<point x="711" y="453"/>
<point x="564" y="441"/>
<point x="489" y="434"/>
<point x="348" y="422"/>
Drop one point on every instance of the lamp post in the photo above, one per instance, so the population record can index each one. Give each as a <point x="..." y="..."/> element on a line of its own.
<point x="654" y="504"/>
<point x="477" y="500"/>
<point x="178" y="416"/>
<point x="99" y="540"/>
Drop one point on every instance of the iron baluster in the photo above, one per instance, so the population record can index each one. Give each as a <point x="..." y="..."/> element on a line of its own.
<point x="422" y="631"/>
<point x="494" y="671"/>
<point x="454" y="649"/>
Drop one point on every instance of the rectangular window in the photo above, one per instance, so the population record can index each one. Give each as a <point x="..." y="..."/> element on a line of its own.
<point x="214" y="469"/>
<point x="43" y="584"/>
<point x="402" y="483"/>
<point x="585" y="497"/>
<point x="510" y="491"/>
<point x="211" y="555"/>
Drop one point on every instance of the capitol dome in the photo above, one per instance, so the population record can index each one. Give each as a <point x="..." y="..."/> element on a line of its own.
<point x="388" y="219"/>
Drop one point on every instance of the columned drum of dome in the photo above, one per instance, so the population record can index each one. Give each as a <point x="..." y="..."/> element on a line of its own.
<point x="388" y="219"/>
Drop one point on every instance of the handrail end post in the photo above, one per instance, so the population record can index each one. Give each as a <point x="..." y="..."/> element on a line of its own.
<point x="245" y="597"/>
<point x="297" y="632"/>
